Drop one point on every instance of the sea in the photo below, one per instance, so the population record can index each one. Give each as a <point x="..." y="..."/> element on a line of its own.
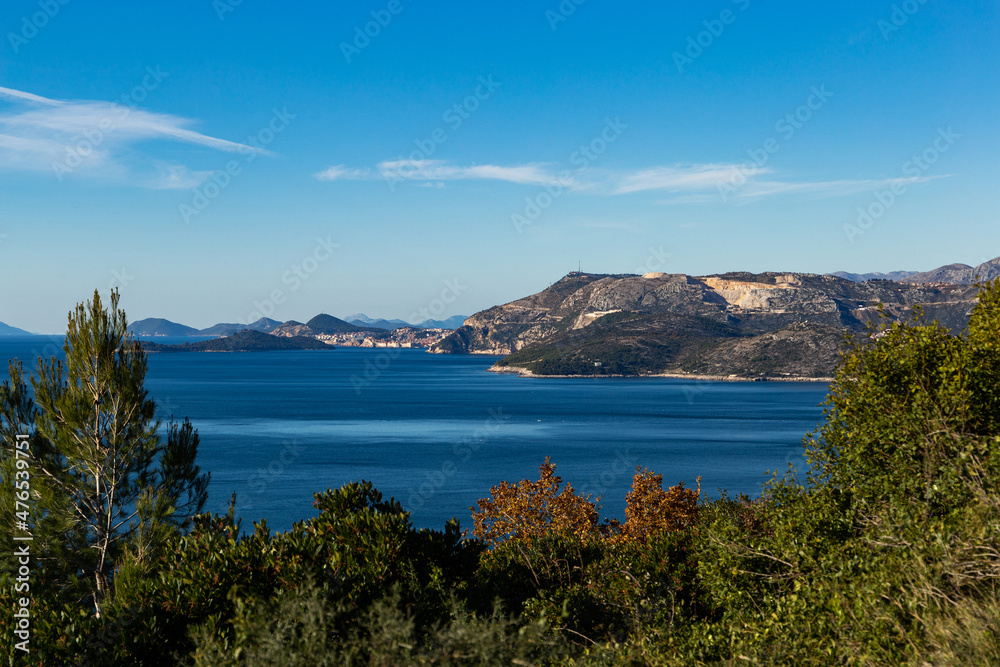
<point x="436" y="432"/>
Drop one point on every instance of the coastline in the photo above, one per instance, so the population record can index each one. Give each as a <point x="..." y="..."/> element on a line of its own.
<point x="523" y="372"/>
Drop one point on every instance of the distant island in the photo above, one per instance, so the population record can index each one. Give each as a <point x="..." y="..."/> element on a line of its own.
<point x="157" y="326"/>
<point x="323" y="328"/>
<point x="243" y="341"/>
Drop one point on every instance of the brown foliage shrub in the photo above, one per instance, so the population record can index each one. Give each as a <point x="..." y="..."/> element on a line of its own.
<point x="529" y="510"/>
<point x="651" y="510"/>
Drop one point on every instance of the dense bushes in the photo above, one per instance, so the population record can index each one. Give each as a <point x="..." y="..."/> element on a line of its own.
<point x="888" y="552"/>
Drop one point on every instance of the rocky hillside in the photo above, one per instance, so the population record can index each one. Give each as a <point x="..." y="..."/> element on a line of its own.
<point x="736" y="323"/>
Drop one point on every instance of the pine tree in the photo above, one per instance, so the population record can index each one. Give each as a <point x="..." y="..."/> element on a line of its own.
<point x="104" y="473"/>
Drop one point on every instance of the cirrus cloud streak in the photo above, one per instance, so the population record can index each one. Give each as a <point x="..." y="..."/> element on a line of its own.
<point x="684" y="183"/>
<point x="99" y="139"/>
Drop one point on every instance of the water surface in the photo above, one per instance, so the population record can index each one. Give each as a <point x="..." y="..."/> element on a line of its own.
<point x="437" y="431"/>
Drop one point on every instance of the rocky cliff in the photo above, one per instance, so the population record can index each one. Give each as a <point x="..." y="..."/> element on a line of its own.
<point x="734" y="323"/>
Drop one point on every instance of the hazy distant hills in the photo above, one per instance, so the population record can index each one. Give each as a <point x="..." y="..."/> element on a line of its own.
<point x="951" y="274"/>
<point x="363" y="320"/>
<point x="321" y="324"/>
<point x="452" y="322"/>
<point x="328" y="324"/>
<point x="7" y="330"/>
<point x="157" y="326"/>
<point x="959" y="274"/>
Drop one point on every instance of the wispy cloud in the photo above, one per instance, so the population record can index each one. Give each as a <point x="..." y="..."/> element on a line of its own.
<point x="684" y="184"/>
<point x="760" y="189"/>
<point x="10" y="93"/>
<point x="425" y="171"/>
<point x="341" y="173"/>
<point x="176" y="177"/>
<point x="98" y="139"/>
<point x="840" y="188"/>
<point x="682" y="178"/>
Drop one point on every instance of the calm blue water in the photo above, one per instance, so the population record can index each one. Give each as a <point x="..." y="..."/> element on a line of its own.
<point x="436" y="431"/>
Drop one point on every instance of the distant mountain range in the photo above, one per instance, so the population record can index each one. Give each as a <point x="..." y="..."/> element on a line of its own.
<point x="951" y="274"/>
<point x="959" y="274"/>
<point x="452" y="322"/>
<point x="321" y="324"/>
<point x="363" y="320"/>
<point x="7" y="330"/>
<point x="157" y="326"/>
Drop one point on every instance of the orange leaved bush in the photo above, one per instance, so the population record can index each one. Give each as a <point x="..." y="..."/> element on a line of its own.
<point x="650" y="510"/>
<point x="529" y="510"/>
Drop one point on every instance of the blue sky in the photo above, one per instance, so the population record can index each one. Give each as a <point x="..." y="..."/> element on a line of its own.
<point x="222" y="160"/>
